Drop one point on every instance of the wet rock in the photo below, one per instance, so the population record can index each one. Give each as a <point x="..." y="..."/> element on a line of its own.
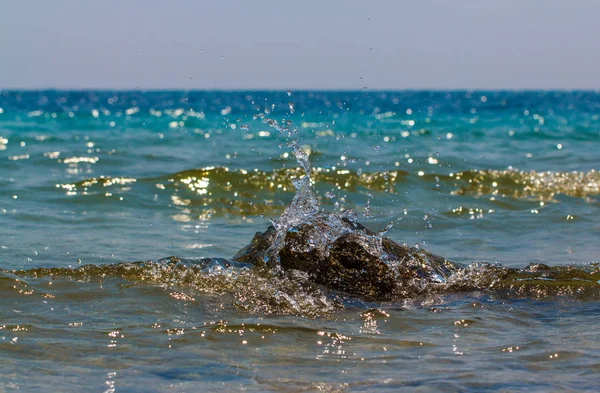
<point x="356" y="261"/>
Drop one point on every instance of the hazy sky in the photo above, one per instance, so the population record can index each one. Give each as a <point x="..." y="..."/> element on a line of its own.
<point x="388" y="44"/>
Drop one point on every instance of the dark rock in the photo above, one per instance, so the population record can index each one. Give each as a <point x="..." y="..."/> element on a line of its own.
<point x="358" y="262"/>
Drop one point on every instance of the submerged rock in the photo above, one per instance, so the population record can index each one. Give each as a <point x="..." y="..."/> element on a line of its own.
<point x="342" y="254"/>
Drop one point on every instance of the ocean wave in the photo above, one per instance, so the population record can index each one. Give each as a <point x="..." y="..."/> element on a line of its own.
<point x="540" y="186"/>
<point x="250" y="290"/>
<point x="264" y="292"/>
<point x="216" y="182"/>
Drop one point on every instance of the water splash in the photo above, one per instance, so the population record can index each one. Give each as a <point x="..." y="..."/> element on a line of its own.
<point x="304" y="204"/>
<point x="303" y="207"/>
<point x="322" y="229"/>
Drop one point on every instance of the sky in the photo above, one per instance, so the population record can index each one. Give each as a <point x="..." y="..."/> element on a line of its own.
<point x="325" y="44"/>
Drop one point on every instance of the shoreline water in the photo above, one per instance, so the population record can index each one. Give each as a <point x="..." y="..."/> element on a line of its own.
<point x="95" y="178"/>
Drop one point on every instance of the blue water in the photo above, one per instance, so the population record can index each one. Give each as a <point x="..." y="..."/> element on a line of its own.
<point x="106" y="177"/>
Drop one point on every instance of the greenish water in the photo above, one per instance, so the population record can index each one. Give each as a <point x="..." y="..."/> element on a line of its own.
<point x="102" y="178"/>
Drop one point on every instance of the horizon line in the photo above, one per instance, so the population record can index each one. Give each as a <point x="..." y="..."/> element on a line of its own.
<point x="302" y="90"/>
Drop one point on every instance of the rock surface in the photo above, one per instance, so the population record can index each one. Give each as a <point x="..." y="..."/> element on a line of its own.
<point x="356" y="260"/>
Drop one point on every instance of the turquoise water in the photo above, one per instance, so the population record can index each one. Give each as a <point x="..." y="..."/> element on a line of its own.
<point x="102" y="178"/>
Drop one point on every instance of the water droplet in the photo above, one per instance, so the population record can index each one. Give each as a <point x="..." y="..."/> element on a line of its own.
<point x="367" y="209"/>
<point x="386" y="229"/>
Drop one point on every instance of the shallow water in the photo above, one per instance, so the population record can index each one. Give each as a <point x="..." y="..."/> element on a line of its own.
<point x="108" y="177"/>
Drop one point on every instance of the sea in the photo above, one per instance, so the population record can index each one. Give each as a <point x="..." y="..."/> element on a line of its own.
<point x="99" y="188"/>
